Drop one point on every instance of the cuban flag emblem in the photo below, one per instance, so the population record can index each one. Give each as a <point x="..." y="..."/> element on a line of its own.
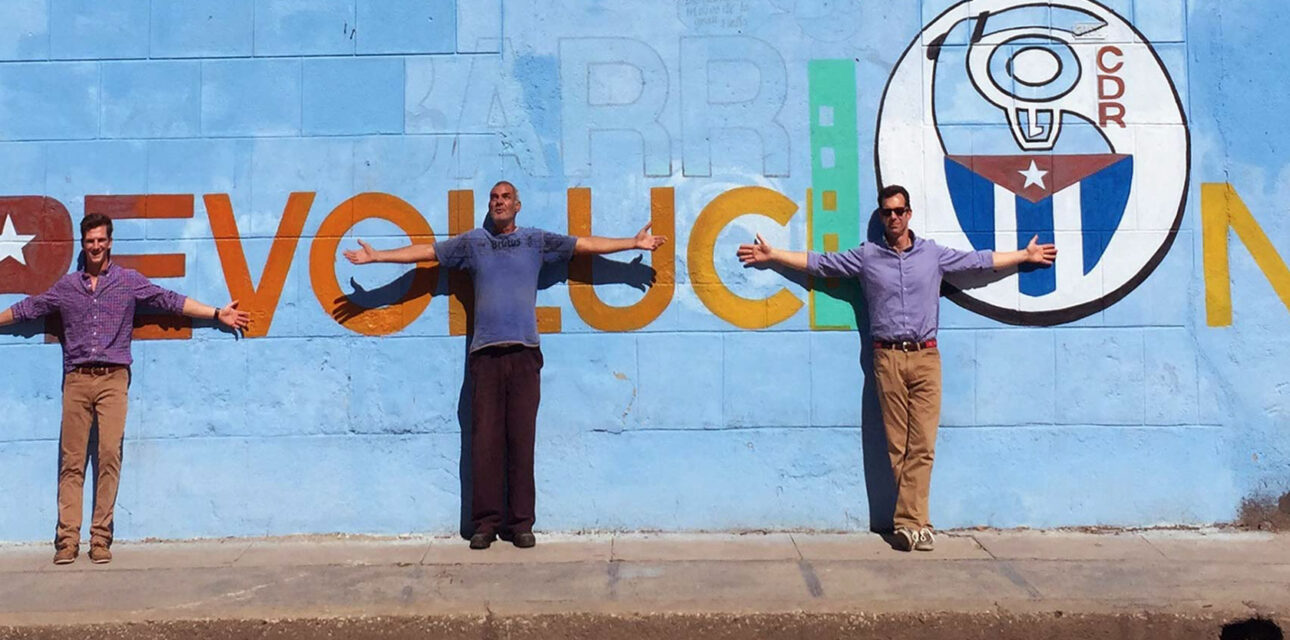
<point x="1022" y="196"/>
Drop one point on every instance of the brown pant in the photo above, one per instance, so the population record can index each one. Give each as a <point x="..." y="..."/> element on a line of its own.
<point x="85" y="397"/>
<point x="507" y="387"/>
<point x="909" y="392"/>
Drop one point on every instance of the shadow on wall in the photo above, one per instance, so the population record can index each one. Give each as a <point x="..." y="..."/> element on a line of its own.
<point x="358" y="301"/>
<point x="603" y="271"/>
<point x="880" y="486"/>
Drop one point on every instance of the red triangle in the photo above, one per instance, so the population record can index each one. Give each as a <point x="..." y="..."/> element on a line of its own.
<point x="1058" y="171"/>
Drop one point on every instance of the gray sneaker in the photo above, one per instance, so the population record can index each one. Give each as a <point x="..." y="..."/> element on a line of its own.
<point x="906" y="539"/>
<point x="926" y="541"/>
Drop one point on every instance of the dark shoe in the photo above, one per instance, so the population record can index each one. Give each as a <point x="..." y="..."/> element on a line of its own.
<point x="905" y="539"/>
<point x="524" y="540"/>
<point x="482" y="540"/>
<point x="67" y="554"/>
<point x="100" y="554"/>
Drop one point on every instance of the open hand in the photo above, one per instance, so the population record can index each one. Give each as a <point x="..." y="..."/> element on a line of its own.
<point x="1040" y="253"/>
<point x="363" y="255"/>
<point x="756" y="253"/>
<point x="233" y="318"/>
<point x="647" y="242"/>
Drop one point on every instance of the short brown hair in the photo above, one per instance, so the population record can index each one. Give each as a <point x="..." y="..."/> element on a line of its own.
<point x="94" y="221"/>
<point x="892" y="190"/>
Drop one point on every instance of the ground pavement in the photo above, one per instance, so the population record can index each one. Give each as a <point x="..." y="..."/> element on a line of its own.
<point x="976" y="584"/>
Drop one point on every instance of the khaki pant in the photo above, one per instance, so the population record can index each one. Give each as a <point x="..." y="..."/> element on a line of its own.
<point x="909" y="392"/>
<point x="86" y="396"/>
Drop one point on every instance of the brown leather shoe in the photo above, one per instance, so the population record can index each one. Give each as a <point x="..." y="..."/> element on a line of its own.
<point x="482" y="540"/>
<point x="100" y="554"/>
<point x="66" y="554"/>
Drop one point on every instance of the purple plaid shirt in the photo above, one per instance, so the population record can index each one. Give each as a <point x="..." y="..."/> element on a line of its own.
<point x="97" y="324"/>
<point x="902" y="290"/>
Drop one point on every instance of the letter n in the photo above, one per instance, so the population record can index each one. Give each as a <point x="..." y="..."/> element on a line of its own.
<point x="1221" y="208"/>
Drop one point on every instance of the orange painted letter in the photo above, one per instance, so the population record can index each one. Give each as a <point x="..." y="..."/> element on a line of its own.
<point x="262" y="301"/>
<point x="322" y="265"/>
<point x="600" y="315"/>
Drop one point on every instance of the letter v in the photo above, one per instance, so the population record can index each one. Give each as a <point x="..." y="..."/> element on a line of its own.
<point x="260" y="302"/>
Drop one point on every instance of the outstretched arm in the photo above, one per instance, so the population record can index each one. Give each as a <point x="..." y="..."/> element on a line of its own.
<point x="228" y="315"/>
<point x="1034" y="252"/>
<point x="365" y="254"/>
<point x="595" y="245"/>
<point x="33" y="307"/>
<point x="762" y="253"/>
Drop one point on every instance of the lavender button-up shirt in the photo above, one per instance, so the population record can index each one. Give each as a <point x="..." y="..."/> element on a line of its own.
<point x="902" y="290"/>
<point x="97" y="324"/>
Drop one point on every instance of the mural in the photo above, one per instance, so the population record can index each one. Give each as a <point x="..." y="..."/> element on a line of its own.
<point x="273" y="138"/>
<point x="1073" y="109"/>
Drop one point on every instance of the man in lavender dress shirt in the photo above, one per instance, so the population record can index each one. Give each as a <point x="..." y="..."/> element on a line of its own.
<point x="901" y="280"/>
<point x="97" y="307"/>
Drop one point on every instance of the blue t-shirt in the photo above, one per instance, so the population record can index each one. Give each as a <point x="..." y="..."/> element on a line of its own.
<point x="505" y="270"/>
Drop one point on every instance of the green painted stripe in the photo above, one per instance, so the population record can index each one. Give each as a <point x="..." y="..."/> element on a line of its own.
<point x="834" y="141"/>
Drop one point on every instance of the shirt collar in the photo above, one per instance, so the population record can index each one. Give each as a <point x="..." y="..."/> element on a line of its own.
<point x="109" y="267"/>
<point x="498" y="234"/>
<point x="914" y="241"/>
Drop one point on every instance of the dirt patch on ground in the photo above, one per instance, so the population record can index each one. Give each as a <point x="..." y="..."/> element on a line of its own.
<point x="1265" y="513"/>
<point x="791" y="626"/>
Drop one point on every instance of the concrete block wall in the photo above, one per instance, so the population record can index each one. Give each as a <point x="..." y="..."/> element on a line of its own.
<point x="744" y="403"/>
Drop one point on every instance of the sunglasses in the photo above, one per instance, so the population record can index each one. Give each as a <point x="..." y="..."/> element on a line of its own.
<point x="896" y="211"/>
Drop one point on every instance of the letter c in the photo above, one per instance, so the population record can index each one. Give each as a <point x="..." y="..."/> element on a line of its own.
<point x="715" y="295"/>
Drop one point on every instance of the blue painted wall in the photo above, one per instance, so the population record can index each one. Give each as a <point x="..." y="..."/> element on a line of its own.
<point x="1135" y="413"/>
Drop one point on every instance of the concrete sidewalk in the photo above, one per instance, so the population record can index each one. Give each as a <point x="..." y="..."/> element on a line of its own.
<point x="576" y="584"/>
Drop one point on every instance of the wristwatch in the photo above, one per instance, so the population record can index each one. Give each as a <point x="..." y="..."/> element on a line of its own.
<point x="215" y="316"/>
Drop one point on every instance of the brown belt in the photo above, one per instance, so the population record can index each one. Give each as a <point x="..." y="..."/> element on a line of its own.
<point x="99" y="369"/>
<point x="905" y="345"/>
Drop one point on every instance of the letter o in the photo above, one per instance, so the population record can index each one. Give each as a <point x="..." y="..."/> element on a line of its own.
<point x="322" y="265"/>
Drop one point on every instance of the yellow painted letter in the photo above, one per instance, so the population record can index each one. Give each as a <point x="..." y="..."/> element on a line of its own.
<point x="1220" y="208"/>
<point x="600" y="315"/>
<point x="724" y="303"/>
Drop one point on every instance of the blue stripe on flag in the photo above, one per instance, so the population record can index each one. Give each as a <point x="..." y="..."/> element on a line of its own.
<point x="1103" y="197"/>
<point x="1035" y="218"/>
<point x="973" y="198"/>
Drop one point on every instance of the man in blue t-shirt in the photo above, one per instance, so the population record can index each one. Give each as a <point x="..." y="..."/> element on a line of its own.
<point x="505" y="361"/>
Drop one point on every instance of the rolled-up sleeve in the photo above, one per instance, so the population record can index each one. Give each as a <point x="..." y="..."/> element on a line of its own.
<point x="955" y="260"/>
<point x="37" y="306"/>
<point x="156" y="297"/>
<point x="842" y="264"/>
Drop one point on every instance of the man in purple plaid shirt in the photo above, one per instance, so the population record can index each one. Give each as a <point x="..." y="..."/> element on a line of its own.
<point x="97" y="307"/>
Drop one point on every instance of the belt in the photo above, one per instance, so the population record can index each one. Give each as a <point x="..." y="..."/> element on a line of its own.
<point x="98" y="368"/>
<point x="905" y="345"/>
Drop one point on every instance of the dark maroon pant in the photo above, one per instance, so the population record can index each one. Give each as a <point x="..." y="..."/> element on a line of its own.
<point x="506" y="384"/>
